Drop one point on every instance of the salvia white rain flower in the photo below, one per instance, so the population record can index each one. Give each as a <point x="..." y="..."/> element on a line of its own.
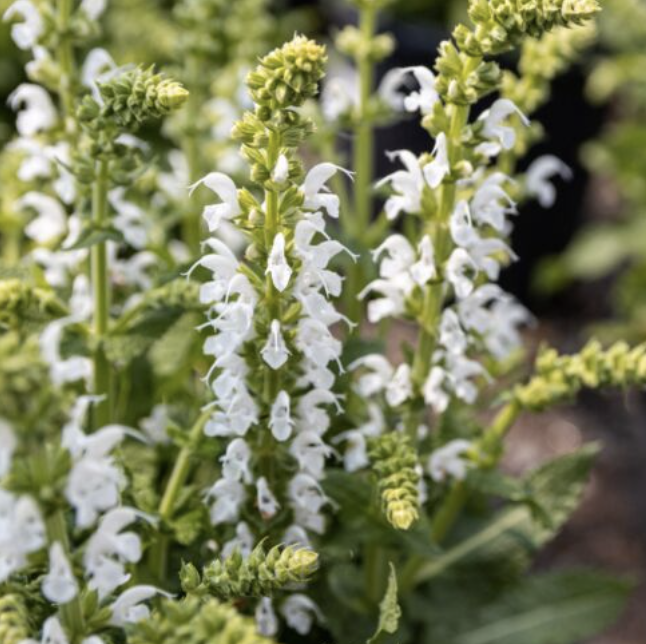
<point x="424" y="270"/>
<point x="280" y="173"/>
<point x="50" y="224"/>
<point x="277" y="264"/>
<point x="267" y="502"/>
<point x="400" y="388"/>
<point x="98" y="66"/>
<point x="450" y="461"/>
<point x="266" y="620"/>
<point x="539" y="173"/>
<point x="422" y="99"/>
<point x="439" y="167"/>
<point x="310" y="414"/>
<point x="407" y="185"/>
<point x="224" y="187"/>
<point x="53" y="633"/>
<point x="300" y="613"/>
<point x="26" y="32"/>
<point x="59" y="584"/>
<point x="94" y="8"/>
<point x="129" y="608"/>
<point x="491" y="205"/>
<point x="452" y="337"/>
<point x="295" y="535"/>
<point x="243" y="542"/>
<point x="155" y="426"/>
<point x="314" y="189"/>
<point x="36" y="111"/>
<point x="307" y="499"/>
<point x="434" y="393"/>
<point x="228" y="499"/>
<point x="310" y="452"/>
<point x="235" y="462"/>
<point x="275" y="352"/>
<point x="378" y="374"/>
<point x="460" y="270"/>
<point x="280" y="420"/>
<point x="502" y="137"/>
<point x="8" y="445"/>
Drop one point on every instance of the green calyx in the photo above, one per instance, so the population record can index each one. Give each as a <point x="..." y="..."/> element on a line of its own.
<point x="20" y="301"/>
<point x="259" y="575"/>
<point x="192" y="621"/>
<point x="140" y="95"/>
<point x="560" y="378"/>
<point x="394" y="462"/>
<point x="14" y="620"/>
<point x="287" y="76"/>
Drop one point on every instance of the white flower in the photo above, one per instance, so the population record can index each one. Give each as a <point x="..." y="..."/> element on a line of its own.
<point x="449" y="461"/>
<point x="277" y="264"/>
<point x="8" y="445"/>
<point x="422" y="99"/>
<point x="59" y="584"/>
<point x="310" y="452"/>
<point x="226" y="190"/>
<point x="460" y="269"/>
<point x="267" y="503"/>
<point x="266" y="620"/>
<point x="240" y="413"/>
<point x="243" y="542"/>
<point x="280" y="420"/>
<point x="280" y="173"/>
<point x="317" y="343"/>
<point x="452" y="337"/>
<point x="340" y="91"/>
<point x="311" y="416"/>
<point x="27" y="32"/>
<point x="37" y="112"/>
<point x="53" y="633"/>
<point x="460" y="370"/>
<point x="316" y="195"/>
<point x="50" y="224"/>
<point x="375" y="380"/>
<point x="408" y="184"/>
<point x="400" y="387"/>
<point x="436" y="170"/>
<point x="93" y="8"/>
<point x="490" y="204"/>
<point x="423" y="270"/>
<point x="300" y="612"/>
<point x="307" y="498"/>
<point x="434" y="393"/>
<point x="155" y="425"/>
<point x="110" y="548"/>
<point x="235" y="462"/>
<point x="295" y="535"/>
<point x="229" y="497"/>
<point x="129" y="607"/>
<point x="97" y="66"/>
<point x="275" y="352"/>
<point x="539" y="173"/>
<point x="503" y="136"/>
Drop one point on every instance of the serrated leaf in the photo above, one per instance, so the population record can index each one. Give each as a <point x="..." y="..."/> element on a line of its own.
<point x="92" y="235"/>
<point x="555" y="608"/>
<point x="389" y="610"/>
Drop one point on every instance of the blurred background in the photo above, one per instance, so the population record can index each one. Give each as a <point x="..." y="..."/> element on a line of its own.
<point x="582" y="267"/>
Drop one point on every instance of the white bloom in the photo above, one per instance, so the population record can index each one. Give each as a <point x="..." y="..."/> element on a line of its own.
<point x="37" y="112"/>
<point x="53" y="633"/>
<point x="503" y="136"/>
<point x="243" y="542"/>
<point x="436" y="170"/>
<point x="316" y="195"/>
<point x="317" y="343"/>
<point x="280" y="173"/>
<point x="7" y="446"/>
<point x="311" y="416"/>
<point x="59" y="584"/>
<point x="295" y="535"/>
<point x="97" y="66"/>
<point x="452" y="337"/>
<point x="226" y="190"/>
<point x="109" y="549"/>
<point x="129" y="607"/>
<point x="490" y="204"/>
<point x="423" y="270"/>
<point x="50" y="224"/>
<point x="300" y="612"/>
<point x="400" y="387"/>
<point x="277" y="264"/>
<point x="275" y="352"/>
<point x="449" y="461"/>
<point x="460" y="270"/>
<point x="460" y="370"/>
<point x="229" y="497"/>
<point x="155" y="425"/>
<point x="266" y="620"/>
<point x="240" y="413"/>
<point x="280" y="420"/>
<point x="340" y="91"/>
<point x="267" y="503"/>
<point x="434" y="393"/>
<point x="93" y="8"/>
<point x="375" y="380"/>
<point x="235" y="462"/>
<point x="27" y="32"/>
<point x="310" y="452"/>
<point x="408" y="184"/>
<point x="422" y="99"/>
<point x="539" y="173"/>
<point x="307" y="499"/>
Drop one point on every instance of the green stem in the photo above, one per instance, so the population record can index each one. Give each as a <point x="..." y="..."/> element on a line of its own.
<point x="72" y="612"/>
<point x="182" y="468"/>
<point x="101" y="291"/>
<point x="66" y="62"/>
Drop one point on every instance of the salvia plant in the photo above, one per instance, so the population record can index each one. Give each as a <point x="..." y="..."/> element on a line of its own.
<point x="197" y="442"/>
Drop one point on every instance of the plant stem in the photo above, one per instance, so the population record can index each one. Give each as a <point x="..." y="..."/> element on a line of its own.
<point x="72" y="612"/>
<point x="66" y="62"/>
<point x="102" y="413"/>
<point x="181" y="468"/>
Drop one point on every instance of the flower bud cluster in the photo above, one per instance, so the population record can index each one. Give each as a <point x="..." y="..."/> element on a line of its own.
<point x="560" y="377"/>
<point x="394" y="461"/>
<point x="14" y="619"/>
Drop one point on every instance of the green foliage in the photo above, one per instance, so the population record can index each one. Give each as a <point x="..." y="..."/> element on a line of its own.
<point x="389" y="610"/>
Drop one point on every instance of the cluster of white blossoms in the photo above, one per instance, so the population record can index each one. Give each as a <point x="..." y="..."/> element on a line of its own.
<point x="461" y="264"/>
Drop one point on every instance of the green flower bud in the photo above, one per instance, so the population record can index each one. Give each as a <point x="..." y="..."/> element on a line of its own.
<point x="189" y="578"/>
<point x="395" y="464"/>
<point x="193" y="622"/>
<point x="260" y="574"/>
<point x="14" y="620"/>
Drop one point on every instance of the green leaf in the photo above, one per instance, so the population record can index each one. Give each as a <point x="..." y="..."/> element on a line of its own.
<point x="555" y="489"/>
<point x="92" y="235"/>
<point x="554" y="608"/>
<point x="389" y="610"/>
